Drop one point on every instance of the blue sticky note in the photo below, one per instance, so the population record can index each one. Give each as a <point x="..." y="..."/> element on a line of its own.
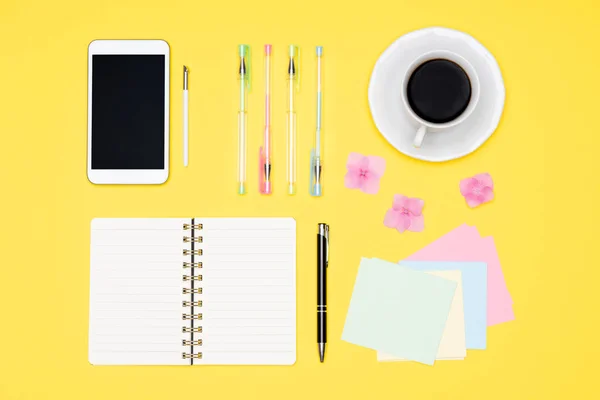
<point x="474" y="276"/>
<point x="399" y="311"/>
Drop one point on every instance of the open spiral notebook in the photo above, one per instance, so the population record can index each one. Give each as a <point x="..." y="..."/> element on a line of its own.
<point x="192" y="291"/>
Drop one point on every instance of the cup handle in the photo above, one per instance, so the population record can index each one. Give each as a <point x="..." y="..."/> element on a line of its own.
<point x="420" y="136"/>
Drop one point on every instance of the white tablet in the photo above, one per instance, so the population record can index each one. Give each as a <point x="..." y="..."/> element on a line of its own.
<point x="128" y="111"/>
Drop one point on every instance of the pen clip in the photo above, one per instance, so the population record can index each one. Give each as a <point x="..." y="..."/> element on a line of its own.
<point x="245" y="64"/>
<point x="327" y="246"/>
<point x="294" y="65"/>
<point x="185" y="77"/>
<point x="264" y="173"/>
<point x="315" y="175"/>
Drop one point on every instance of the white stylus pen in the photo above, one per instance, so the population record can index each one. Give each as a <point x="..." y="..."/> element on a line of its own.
<point x="185" y="116"/>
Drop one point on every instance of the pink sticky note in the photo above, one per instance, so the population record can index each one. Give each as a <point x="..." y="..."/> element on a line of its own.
<point x="465" y="244"/>
<point x="501" y="310"/>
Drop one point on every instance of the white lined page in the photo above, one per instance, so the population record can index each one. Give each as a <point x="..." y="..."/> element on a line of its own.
<point x="249" y="291"/>
<point x="136" y="291"/>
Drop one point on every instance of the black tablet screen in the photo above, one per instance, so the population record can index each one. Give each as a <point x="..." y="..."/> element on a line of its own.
<point x="128" y="111"/>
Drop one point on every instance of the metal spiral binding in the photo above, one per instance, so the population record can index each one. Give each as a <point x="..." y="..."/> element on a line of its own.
<point x="191" y="316"/>
<point x="190" y="276"/>
<point x="192" y="291"/>
<point x="187" y="329"/>
<point x="192" y="252"/>
<point x="187" y="227"/>
<point x="188" y="355"/>
<point x="188" y="239"/>
<point x="192" y="342"/>
<point x="192" y="265"/>
<point x="192" y="303"/>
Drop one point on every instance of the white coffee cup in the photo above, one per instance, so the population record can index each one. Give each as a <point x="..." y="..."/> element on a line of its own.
<point x="425" y="126"/>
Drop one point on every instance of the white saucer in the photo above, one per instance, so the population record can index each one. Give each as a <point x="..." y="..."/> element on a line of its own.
<point x="392" y="119"/>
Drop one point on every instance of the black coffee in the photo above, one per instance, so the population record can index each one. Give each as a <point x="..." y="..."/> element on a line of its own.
<point x="439" y="91"/>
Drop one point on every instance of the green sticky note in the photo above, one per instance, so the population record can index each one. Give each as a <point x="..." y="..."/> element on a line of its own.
<point x="399" y="311"/>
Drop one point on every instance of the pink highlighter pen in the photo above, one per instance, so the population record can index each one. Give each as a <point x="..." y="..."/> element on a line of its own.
<point x="264" y="154"/>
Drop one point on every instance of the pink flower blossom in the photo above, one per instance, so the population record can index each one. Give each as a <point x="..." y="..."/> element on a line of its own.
<point x="364" y="172"/>
<point x="478" y="189"/>
<point x="405" y="214"/>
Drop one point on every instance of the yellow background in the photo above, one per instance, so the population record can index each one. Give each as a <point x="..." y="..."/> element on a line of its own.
<point x="543" y="159"/>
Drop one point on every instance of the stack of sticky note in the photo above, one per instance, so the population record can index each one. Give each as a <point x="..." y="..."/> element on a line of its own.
<point x="436" y="304"/>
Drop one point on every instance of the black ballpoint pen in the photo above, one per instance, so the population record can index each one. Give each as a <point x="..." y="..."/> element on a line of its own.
<point x="322" y="264"/>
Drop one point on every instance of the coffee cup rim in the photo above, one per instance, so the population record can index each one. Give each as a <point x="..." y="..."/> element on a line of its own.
<point x="464" y="64"/>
